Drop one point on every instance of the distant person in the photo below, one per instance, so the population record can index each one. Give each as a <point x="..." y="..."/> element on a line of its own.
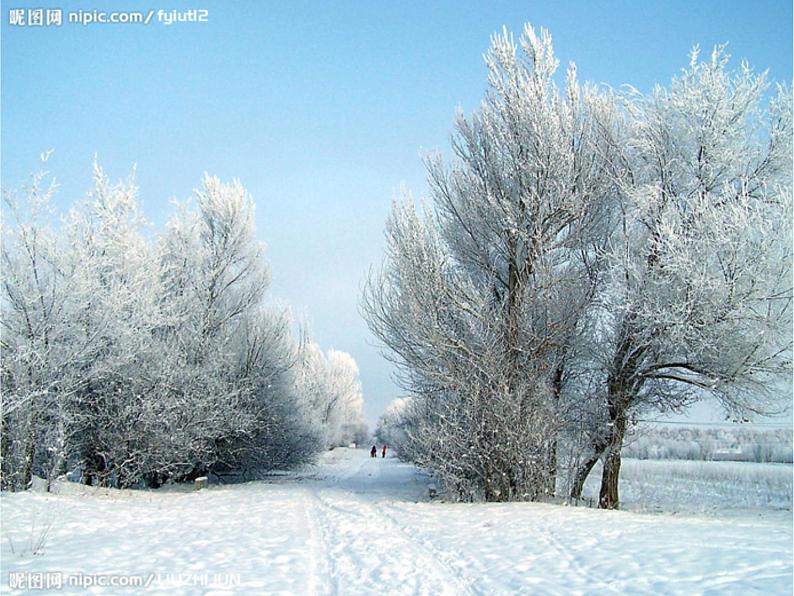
<point x="384" y="451"/>
<point x="373" y="452"/>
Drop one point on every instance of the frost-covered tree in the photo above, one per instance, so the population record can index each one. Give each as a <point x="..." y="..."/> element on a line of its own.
<point x="228" y="360"/>
<point x="330" y="387"/>
<point x="347" y="415"/>
<point x="114" y="310"/>
<point x="481" y="296"/>
<point x="139" y="358"/>
<point x="587" y="257"/>
<point x="396" y="428"/>
<point x="214" y="278"/>
<point x="279" y="431"/>
<point x="38" y="346"/>
<point x="699" y="295"/>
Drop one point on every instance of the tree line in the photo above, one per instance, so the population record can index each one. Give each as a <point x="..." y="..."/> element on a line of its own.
<point x="584" y="256"/>
<point x="134" y="358"/>
<point x="712" y="444"/>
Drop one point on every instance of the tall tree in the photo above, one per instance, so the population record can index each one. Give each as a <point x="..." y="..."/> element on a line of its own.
<point x="699" y="299"/>
<point x="480" y="299"/>
<point x="134" y="357"/>
<point x="37" y="346"/>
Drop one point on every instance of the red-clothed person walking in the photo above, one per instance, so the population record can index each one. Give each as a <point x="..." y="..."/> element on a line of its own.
<point x="384" y="451"/>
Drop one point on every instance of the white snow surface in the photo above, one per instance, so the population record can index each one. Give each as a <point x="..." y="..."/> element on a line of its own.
<point x="356" y="525"/>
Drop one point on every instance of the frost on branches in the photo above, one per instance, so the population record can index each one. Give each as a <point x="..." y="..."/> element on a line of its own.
<point x="135" y="359"/>
<point x="585" y="257"/>
<point x="329" y="384"/>
<point x="698" y="300"/>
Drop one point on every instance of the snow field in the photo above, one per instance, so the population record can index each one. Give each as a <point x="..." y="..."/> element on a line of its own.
<point x="700" y="486"/>
<point x="356" y="525"/>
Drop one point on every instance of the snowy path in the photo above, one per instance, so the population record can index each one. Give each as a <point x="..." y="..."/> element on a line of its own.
<point x="352" y="525"/>
<point x="364" y="546"/>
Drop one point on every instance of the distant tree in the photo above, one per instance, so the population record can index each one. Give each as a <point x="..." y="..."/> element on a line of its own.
<point x="279" y="432"/>
<point x="329" y="384"/>
<point x="396" y="428"/>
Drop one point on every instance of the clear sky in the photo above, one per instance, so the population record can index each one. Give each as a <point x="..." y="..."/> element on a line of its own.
<point x="321" y="109"/>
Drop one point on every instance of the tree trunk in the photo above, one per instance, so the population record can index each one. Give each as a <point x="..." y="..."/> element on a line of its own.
<point x="58" y="465"/>
<point x="556" y="384"/>
<point x="30" y="451"/>
<point x="622" y="389"/>
<point x="94" y="466"/>
<point x="6" y="469"/>
<point x="550" y="485"/>
<point x="598" y="445"/>
<point x="582" y="473"/>
<point x="609" y="497"/>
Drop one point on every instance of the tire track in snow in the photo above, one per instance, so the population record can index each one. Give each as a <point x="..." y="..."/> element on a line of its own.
<point x="431" y="550"/>
<point x="430" y="574"/>
<point x="546" y="537"/>
<point x="324" y="577"/>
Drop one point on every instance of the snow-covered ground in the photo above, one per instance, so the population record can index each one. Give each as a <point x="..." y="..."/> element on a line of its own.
<point x="355" y="525"/>
<point x="716" y="487"/>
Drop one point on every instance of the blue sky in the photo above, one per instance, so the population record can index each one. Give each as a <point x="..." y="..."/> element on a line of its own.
<point x="322" y="109"/>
